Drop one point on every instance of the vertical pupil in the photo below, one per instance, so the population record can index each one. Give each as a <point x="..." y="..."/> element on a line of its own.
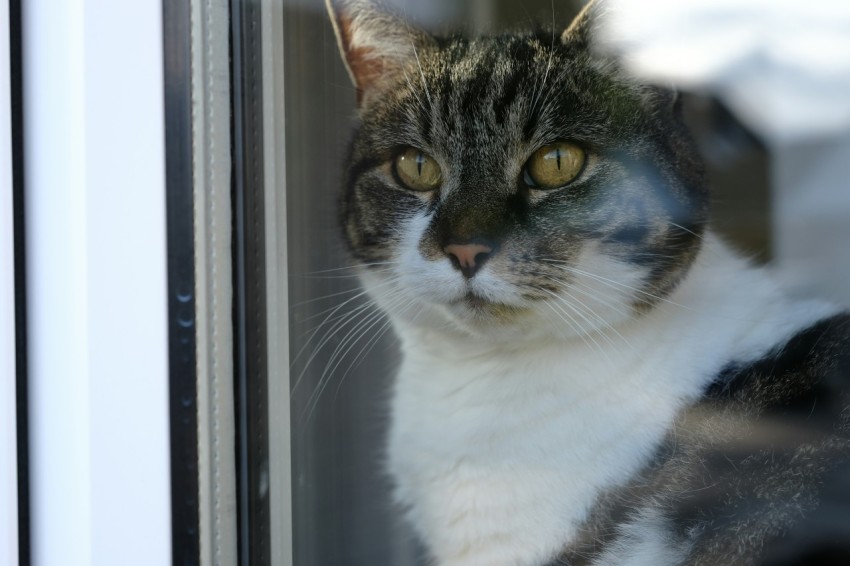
<point x="558" y="157"/>
<point x="420" y="159"/>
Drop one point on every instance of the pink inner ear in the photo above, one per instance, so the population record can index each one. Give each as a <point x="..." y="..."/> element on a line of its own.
<point x="366" y="69"/>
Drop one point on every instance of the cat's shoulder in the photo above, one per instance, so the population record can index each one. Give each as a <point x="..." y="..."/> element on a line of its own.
<point x="757" y="460"/>
<point x="762" y="457"/>
<point x="806" y="376"/>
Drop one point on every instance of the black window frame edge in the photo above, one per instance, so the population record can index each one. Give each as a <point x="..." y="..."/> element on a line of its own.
<point x="249" y="278"/>
<point x="182" y="339"/>
<point x="19" y="238"/>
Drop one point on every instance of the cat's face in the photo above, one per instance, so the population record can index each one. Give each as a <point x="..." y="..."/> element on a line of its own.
<point x="514" y="183"/>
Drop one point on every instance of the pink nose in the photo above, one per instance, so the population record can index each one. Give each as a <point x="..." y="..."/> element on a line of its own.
<point x="468" y="258"/>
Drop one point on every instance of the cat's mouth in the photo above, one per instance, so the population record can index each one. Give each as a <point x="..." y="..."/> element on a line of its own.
<point x="480" y="307"/>
<point x="475" y="301"/>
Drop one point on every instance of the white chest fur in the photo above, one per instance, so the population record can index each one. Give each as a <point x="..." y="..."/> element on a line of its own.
<point x="500" y="450"/>
<point x="501" y="456"/>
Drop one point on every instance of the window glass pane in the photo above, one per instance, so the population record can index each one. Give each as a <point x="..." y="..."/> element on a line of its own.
<point x="778" y="202"/>
<point x="341" y="509"/>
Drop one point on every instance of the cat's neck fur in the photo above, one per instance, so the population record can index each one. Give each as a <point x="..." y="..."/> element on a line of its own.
<point x="499" y="451"/>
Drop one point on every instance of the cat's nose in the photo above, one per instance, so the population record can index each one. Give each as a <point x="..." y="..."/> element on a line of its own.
<point x="468" y="258"/>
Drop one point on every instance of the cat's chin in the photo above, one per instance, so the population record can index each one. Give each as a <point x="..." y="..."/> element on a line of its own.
<point x="475" y="310"/>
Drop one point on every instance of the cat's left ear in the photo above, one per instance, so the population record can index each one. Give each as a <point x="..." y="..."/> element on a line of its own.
<point x="375" y="44"/>
<point x="584" y="30"/>
<point x="583" y="26"/>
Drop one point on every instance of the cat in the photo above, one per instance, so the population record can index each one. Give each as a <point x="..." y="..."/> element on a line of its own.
<point x="589" y="374"/>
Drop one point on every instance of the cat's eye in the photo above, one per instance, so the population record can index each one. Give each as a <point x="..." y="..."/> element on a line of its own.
<point x="555" y="165"/>
<point x="417" y="170"/>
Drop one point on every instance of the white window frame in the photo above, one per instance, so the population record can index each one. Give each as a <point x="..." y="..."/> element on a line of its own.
<point x="96" y="283"/>
<point x="8" y="396"/>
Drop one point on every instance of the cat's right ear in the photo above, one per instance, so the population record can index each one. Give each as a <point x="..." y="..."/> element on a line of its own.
<point x="375" y="44"/>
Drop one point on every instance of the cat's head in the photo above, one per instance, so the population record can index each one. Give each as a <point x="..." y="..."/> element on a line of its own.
<point x="515" y="183"/>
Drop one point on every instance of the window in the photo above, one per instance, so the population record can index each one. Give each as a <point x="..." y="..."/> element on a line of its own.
<point x="196" y="357"/>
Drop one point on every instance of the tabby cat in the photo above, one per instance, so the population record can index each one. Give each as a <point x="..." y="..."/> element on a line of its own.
<point x="589" y="375"/>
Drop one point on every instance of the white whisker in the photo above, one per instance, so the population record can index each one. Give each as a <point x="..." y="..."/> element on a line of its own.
<point x="413" y="90"/>
<point x="329" y="334"/>
<point x="611" y="282"/>
<point x="341" y="351"/>
<point x="578" y="328"/>
<point x="350" y="267"/>
<point x="605" y="323"/>
<point x="422" y="74"/>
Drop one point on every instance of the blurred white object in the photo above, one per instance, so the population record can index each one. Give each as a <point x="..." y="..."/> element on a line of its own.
<point x="811" y="217"/>
<point x="782" y="66"/>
